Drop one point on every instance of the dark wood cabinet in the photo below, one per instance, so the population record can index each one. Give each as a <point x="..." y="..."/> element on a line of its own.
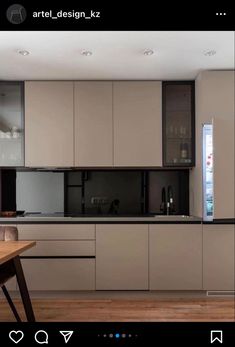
<point x="178" y="123"/>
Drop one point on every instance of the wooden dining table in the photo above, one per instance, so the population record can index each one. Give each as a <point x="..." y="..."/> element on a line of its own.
<point x="10" y="264"/>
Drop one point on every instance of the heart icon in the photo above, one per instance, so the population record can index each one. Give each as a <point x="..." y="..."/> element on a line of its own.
<point x="16" y="336"/>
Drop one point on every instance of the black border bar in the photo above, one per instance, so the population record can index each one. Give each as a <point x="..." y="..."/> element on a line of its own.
<point x="112" y="334"/>
<point x="118" y="16"/>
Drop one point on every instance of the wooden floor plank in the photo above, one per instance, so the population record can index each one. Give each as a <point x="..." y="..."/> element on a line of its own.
<point x="123" y="310"/>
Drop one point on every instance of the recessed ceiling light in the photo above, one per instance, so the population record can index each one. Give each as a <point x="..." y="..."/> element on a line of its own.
<point x="148" y="51"/>
<point x="86" y="53"/>
<point x="23" y="52"/>
<point x="209" y="53"/>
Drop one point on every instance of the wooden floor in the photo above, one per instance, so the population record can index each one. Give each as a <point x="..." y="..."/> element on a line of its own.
<point x="135" y="310"/>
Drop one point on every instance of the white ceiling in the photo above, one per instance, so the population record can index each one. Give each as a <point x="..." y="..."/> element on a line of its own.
<point x="116" y="55"/>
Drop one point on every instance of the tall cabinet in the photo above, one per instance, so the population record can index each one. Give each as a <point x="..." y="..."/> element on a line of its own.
<point x="49" y="124"/>
<point x="215" y="103"/>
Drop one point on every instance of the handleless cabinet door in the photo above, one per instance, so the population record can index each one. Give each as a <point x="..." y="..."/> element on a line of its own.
<point x="175" y="257"/>
<point x="49" y="137"/>
<point x="224" y="164"/>
<point x="137" y="123"/>
<point x="93" y="124"/>
<point x="218" y="257"/>
<point x="121" y="257"/>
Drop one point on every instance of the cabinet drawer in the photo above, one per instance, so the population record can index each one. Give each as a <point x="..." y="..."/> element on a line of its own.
<point x="62" y="248"/>
<point x="56" y="231"/>
<point x="59" y="274"/>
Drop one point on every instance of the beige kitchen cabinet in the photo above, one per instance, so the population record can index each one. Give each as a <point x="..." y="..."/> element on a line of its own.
<point x="137" y="114"/>
<point x="218" y="257"/>
<point x="11" y="284"/>
<point x="49" y="118"/>
<point x="121" y="257"/>
<point x="215" y="103"/>
<point x="56" y="231"/>
<point x="224" y="163"/>
<point x="59" y="274"/>
<point x="175" y="256"/>
<point x="50" y="266"/>
<point x="93" y="123"/>
<point x="62" y="248"/>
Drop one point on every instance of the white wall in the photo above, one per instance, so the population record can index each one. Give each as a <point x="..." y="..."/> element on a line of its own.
<point x="40" y="191"/>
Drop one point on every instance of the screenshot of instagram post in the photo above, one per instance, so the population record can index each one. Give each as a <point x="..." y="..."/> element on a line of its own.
<point x="117" y="174"/>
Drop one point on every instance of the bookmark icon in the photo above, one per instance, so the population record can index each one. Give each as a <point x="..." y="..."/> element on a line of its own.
<point x="66" y="334"/>
<point x="216" y="336"/>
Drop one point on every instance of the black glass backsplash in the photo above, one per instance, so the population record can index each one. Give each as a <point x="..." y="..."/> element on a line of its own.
<point x="178" y="183"/>
<point x="104" y="192"/>
<point x="109" y="192"/>
<point x="7" y="190"/>
<point x="126" y="192"/>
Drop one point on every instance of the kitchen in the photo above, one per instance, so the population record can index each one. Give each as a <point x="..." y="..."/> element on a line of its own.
<point x="118" y="161"/>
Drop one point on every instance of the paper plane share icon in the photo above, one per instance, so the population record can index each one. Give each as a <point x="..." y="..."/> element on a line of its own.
<point x="66" y="334"/>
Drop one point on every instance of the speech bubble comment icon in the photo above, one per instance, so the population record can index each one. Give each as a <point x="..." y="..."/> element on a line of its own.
<point x="41" y="337"/>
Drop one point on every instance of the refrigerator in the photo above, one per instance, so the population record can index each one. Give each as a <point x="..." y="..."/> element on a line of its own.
<point x="207" y="159"/>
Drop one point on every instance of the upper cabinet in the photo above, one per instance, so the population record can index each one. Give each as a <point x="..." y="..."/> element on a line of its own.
<point x="11" y="124"/>
<point x="49" y="118"/>
<point x="109" y="124"/>
<point x="93" y="124"/>
<point x="137" y="123"/>
<point x="178" y="124"/>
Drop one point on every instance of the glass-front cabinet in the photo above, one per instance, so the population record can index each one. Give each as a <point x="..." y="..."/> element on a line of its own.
<point x="11" y="124"/>
<point x="178" y="123"/>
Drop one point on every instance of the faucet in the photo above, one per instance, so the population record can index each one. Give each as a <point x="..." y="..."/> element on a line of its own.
<point x="163" y="202"/>
<point x="170" y="201"/>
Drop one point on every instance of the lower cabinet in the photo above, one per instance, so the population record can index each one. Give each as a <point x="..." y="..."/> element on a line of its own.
<point x="59" y="274"/>
<point x="175" y="257"/>
<point x="129" y="257"/>
<point x="11" y="284"/>
<point x="63" y="258"/>
<point x="218" y="257"/>
<point x="122" y="257"/>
